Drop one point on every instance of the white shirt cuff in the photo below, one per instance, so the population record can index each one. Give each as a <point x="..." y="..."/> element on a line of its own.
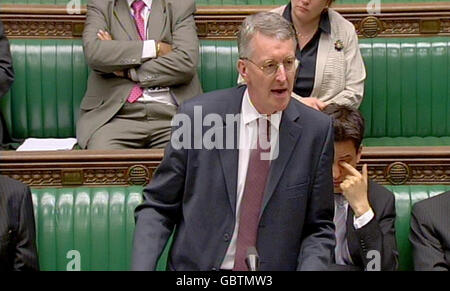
<point x="149" y="49"/>
<point x="363" y="219"/>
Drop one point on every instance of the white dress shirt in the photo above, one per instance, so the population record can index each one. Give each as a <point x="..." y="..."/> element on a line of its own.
<point x="247" y="140"/>
<point x="161" y="95"/>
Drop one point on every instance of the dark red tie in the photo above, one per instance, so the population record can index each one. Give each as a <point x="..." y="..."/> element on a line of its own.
<point x="138" y="6"/>
<point x="255" y="183"/>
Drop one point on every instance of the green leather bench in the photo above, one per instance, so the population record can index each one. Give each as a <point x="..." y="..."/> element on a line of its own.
<point x="405" y="104"/>
<point x="99" y="224"/>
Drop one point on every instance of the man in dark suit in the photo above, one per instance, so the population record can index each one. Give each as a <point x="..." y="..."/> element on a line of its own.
<point x="6" y="78"/>
<point x="430" y="233"/>
<point x="17" y="230"/>
<point x="224" y="200"/>
<point x="144" y="56"/>
<point x="364" y="211"/>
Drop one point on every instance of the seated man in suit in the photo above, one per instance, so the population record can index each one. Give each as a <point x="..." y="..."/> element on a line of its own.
<point x="430" y="233"/>
<point x="246" y="192"/>
<point x="6" y="79"/>
<point x="364" y="211"/>
<point x="143" y="54"/>
<point x="17" y="230"/>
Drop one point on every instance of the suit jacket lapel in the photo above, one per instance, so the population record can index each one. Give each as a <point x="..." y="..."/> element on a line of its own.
<point x="289" y="135"/>
<point x="156" y="21"/>
<point x="123" y="15"/>
<point x="229" y="158"/>
<point x="322" y="57"/>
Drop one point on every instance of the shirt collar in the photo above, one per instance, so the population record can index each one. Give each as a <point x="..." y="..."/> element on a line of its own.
<point x="324" y="23"/>
<point x="148" y="3"/>
<point x="250" y="114"/>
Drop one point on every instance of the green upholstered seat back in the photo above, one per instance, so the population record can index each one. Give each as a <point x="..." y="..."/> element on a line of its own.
<point x="406" y="92"/>
<point x="407" y="88"/>
<point x="99" y="224"/>
<point x="50" y="81"/>
<point x="405" y="197"/>
<point x="96" y="222"/>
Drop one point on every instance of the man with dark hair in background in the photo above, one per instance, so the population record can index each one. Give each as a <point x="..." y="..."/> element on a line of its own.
<point x="6" y="79"/>
<point x="364" y="211"/>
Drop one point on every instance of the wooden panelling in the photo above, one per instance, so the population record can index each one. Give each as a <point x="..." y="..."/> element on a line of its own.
<point x="222" y="22"/>
<point x="387" y="165"/>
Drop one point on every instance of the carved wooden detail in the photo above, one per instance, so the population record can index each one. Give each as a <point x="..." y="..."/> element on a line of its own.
<point x="81" y="168"/>
<point x="217" y="22"/>
<point x="408" y="165"/>
<point x="386" y="165"/>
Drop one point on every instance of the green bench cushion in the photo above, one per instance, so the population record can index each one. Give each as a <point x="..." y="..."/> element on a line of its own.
<point x="406" y="90"/>
<point x="99" y="223"/>
<point x="405" y="103"/>
<point x="406" y="141"/>
<point x="405" y="197"/>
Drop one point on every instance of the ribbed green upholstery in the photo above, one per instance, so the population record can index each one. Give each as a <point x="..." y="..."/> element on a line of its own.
<point x="406" y="95"/>
<point x="50" y="82"/>
<point x="96" y="222"/>
<point x="407" y="89"/>
<point x="405" y="197"/>
<point x="99" y="223"/>
<point x="222" y="2"/>
<point x="217" y="65"/>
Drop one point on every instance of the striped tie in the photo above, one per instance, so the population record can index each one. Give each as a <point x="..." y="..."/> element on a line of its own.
<point x="138" y="6"/>
<point x="255" y="183"/>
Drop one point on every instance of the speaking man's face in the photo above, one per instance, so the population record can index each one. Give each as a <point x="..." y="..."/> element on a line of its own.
<point x="269" y="73"/>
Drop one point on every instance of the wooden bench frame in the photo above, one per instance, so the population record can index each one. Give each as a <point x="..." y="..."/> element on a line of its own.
<point x="387" y="165"/>
<point x="222" y="22"/>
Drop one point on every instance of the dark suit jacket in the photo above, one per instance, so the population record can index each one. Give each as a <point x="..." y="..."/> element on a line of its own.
<point x="195" y="190"/>
<point x="6" y="79"/>
<point x="378" y="234"/>
<point x="6" y="69"/>
<point x="171" y="21"/>
<point x="430" y="233"/>
<point x="17" y="229"/>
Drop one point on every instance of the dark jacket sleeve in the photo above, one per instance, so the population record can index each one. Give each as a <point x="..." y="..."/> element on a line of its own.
<point x="319" y="241"/>
<point x="157" y="216"/>
<point x="428" y="252"/>
<point x="26" y="258"/>
<point x="6" y="69"/>
<point x="379" y="233"/>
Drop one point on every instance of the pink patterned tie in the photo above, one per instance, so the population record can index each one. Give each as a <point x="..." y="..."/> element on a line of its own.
<point x="255" y="184"/>
<point x="138" y="6"/>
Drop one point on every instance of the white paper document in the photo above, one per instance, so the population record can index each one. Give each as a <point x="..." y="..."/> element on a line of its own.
<point x="47" y="144"/>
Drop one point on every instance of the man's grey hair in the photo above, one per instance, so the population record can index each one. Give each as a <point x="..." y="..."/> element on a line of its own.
<point x="268" y="24"/>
